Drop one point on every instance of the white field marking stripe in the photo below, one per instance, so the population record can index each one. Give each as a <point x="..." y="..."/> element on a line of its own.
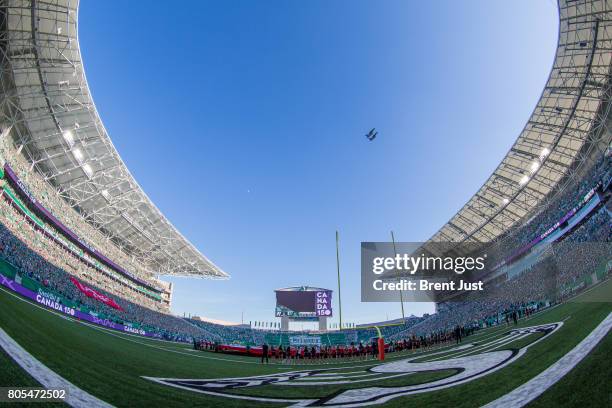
<point x="281" y="366"/>
<point x="494" y="334"/>
<point x="461" y="353"/>
<point x="484" y="348"/>
<point x="343" y="373"/>
<point x="75" y="396"/>
<point x="111" y="332"/>
<point x="498" y="342"/>
<point x="444" y="354"/>
<point x="453" y="349"/>
<point x="409" y="390"/>
<point x="535" y="387"/>
<point x="236" y="396"/>
<point x="191" y="354"/>
<point x="493" y="347"/>
<point x="120" y="335"/>
<point x="107" y="331"/>
<point x="296" y="383"/>
<point x="72" y="319"/>
<point x="337" y="377"/>
<point x="478" y="348"/>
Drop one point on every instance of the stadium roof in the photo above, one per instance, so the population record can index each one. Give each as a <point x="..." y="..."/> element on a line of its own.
<point x="567" y="121"/>
<point x="303" y="289"/>
<point x="48" y="105"/>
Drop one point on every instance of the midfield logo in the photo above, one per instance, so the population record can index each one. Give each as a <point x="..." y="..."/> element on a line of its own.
<point x="466" y="363"/>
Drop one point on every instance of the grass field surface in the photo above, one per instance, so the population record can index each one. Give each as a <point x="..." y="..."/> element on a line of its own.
<point x="111" y="365"/>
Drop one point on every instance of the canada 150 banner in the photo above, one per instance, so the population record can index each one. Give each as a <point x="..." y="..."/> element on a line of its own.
<point x="52" y="301"/>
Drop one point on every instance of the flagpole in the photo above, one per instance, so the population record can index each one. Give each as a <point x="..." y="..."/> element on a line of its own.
<point x="338" y="268"/>
<point x="397" y="275"/>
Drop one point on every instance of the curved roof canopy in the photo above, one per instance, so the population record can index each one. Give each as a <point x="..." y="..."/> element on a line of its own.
<point x="48" y="103"/>
<point x="566" y="122"/>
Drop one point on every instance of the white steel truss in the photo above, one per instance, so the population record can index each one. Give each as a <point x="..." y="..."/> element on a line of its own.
<point x="44" y="96"/>
<point x="569" y="121"/>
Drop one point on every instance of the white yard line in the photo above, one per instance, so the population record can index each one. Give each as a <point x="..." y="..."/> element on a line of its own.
<point x="75" y="396"/>
<point x="535" y="387"/>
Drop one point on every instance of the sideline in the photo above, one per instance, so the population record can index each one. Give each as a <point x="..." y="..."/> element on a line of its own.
<point x="535" y="387"/>
<point x="126" y="337"/>
<point x="131" y="338"/>
<point x="75" y="396"/>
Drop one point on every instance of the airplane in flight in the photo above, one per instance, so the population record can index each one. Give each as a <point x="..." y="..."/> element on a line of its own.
<point x="371" y="135"/>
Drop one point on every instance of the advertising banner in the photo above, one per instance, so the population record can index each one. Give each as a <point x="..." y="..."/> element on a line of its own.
<point x="305" y="341"/>
<point x="89" y="292"/>
<point x="55" y="302"/>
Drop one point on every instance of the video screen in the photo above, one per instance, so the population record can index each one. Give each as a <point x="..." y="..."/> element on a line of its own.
<point x="303" y="304"/>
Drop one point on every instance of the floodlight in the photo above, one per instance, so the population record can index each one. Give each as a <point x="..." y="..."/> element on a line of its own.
<point x="68" y="137"/>
<point x="78" y="154"/>
<point x="88" y="170"/>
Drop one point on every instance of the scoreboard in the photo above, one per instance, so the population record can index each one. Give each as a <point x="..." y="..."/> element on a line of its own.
<point x="303" y="303"/>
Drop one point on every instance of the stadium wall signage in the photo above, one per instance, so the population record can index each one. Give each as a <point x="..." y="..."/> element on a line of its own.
<point x="52" y="302"/>
<point x="305" y="340"/>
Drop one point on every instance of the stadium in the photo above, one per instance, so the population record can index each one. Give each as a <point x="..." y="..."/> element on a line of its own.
<point x="86" y="314"/>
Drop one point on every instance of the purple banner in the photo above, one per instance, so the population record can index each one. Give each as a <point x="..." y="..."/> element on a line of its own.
<point x="52" y="301"/>
<point x="23" y="190"/>
<point x="323" y="303"/>
<point x="545" y="234"/>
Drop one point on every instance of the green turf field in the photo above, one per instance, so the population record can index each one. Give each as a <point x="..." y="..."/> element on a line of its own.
<point x="111" y="365"/>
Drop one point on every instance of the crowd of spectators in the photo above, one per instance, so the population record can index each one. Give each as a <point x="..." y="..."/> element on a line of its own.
<point x="70" y="258"/>
<point x="52" y="201"/>
<point x="566" y="263"/>
<point x="35" y="256"/>
<point x="521" y="234"/>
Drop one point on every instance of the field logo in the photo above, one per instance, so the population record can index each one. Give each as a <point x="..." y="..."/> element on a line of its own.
<point x="456" y="365"/>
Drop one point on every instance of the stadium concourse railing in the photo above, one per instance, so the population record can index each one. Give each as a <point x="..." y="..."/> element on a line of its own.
<point x="10" y="176"/>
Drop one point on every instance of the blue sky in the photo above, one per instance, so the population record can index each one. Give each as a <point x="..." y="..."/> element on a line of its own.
<point x="244" y="122"/>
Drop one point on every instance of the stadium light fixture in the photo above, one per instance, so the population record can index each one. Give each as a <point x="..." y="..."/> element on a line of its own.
<point x="78" y="155"/>
<point x="505" y="201"/>
<point x="535" y="166"/>
<point x="524" y="180"/>
<point x="106" y="195"/>
<point x="88" y="170"/>
<point x="68" y="137"/>
<point x="545" y="152"/>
